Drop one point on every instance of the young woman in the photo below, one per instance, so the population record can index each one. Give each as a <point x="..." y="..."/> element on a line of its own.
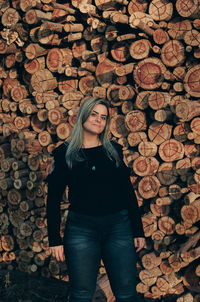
<point x="103" y="220"/>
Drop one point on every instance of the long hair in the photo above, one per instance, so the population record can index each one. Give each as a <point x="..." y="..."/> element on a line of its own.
<point x="73" y="153"/>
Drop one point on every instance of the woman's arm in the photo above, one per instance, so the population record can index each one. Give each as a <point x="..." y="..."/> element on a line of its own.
<point x="57" y="181"/>
<point x="139" y="243"/>
<point x="132" y="203"/>
<point x="58" y="252"/>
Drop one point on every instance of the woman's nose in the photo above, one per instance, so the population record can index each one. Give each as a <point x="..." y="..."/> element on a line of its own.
<point x="98" y="118"/>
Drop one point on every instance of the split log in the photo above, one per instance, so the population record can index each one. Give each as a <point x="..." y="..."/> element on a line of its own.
<point x="136" y="6"/>
<point x="57" y="58"/>
<point x="105" y="71"/>
<point x="33" y="51"/>
<point x="10" y="17"/>
<point x="140" y="49"/>
<point x="134" y="138"/>
<point x="187" y="110"/>
<point x="120" y="52"/>
<point x="135" y="121"/>
<point x="145" y="166"/>
<point x="149" y="277"/>
<point x="158" y="100"/>
<point x="190" y="10"/>
<point x="117" y="126"/>
<point x="148" y="73"/>
<point x="159" y="132"/>
<point x="167" y="174"/>
<point x="191" y="84"/>
<point x="172" y="53"/>
<point x="43" y="81"/>
<point x="148" y="186"/>
<point x="160" y="36"/>
<point x="171" y="150"/>
<point x="160" y="10"/>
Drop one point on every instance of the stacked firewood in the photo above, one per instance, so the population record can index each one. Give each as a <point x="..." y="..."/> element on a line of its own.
<point x="143" y="57"/>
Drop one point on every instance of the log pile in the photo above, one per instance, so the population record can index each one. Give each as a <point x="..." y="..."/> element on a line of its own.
<point x="143" y="57"/>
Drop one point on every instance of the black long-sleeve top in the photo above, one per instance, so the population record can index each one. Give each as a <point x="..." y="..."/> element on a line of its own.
<point x="96" y="187"/>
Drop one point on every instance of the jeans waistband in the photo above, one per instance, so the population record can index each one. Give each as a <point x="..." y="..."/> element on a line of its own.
<point x="72" y="215"/>
<point x="119" y="213"/>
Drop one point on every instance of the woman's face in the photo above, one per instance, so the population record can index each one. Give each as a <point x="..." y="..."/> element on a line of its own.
<point x="96" y="121"/>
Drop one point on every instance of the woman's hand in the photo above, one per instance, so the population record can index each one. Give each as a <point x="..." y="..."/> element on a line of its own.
<point x="139" y="243"/>
<point x="58" y="252"/>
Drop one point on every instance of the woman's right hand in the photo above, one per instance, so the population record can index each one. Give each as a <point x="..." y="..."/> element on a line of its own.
<point x="58" y="252"/>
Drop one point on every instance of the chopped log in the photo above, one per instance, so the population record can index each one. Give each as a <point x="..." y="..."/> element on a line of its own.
<point x="33" y="51"/>
<point x="63" y="131"/>
<point x="191" y="82"/>
<point x="192" y="38"/>
<point x="144" y="166"/>
<point x="167" y="225"/>
<point x="117" y="126"/>
<point x="148" y="186"/>
<point x="120" y="52"/>
<point x="111" y="33"/>
<point x="139" y="49"/>
<point x="189" y="9"/>
<point x="10" y="17"/>
<point x="167" y="174"/>
<point x="124" y="69"/>
<point x="190" y="213"/>
<point x="43" y="81"/>
<point x="99" y="44"/>
<point x="35" y="65"/>
<point x="195" y="125"/>
<point x="172" y="53"/>
<point x="142" y="288"/>
<point x="160" y="36"/>
<point x="187" y="110"/>
<point x="147" y="148"/>
<point x="180" y="132"/>
<point x="33" y="16"/>
<point x="105" y="72"/>
<point x="55" y="116"/>
<point x="66" y="86"/>
<point x="137" y="6"/>
<point x="148" y="73"/>
<point x="139" y="23"/>
<point x="158" y="211"/>
<point x="158" y="100"/>
<point x="135" y="121"/>
<point x="160" y="10"/>
<point x="86" y="84"/>
<point x="171" y="150"/>
<point x="163" y="115"/>
<point x="164" y="201"/>
<point x="54" y="59"/>
<point x="118" y="17"/>
<point x="150" y="261"/>
<point x="149" y="277"/>
<point x="134" y="138"/>
<point x="159" y="132"/>
<point x="127" y="106"/>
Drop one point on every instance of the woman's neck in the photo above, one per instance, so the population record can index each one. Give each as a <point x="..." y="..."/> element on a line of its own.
<point x="90" y="141"/>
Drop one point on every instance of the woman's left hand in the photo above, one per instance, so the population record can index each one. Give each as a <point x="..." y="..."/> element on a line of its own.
<point x="139" y="243"/>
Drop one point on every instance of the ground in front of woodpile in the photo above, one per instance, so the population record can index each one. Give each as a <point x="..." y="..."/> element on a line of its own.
<point x="17" y="286"/>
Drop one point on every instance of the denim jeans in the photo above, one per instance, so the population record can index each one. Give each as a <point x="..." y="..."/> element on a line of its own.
<point x="89" y="239"/>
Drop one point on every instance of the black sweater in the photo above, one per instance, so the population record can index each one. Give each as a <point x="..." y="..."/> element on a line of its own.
<point x="96" y="187"/>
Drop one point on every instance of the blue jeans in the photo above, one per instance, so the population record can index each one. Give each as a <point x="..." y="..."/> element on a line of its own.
<point x="88" y="239"/>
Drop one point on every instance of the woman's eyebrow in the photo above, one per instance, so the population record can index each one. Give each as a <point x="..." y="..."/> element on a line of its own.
<point x="98" y="113"/>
